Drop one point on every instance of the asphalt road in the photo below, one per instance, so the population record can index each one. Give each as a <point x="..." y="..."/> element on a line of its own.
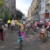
<point x="31" y="41"/>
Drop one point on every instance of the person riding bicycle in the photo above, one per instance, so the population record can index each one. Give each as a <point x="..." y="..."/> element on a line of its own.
<point x="26" y="27"/>
<point x="42" y="32"/>
<point x="48" y="26"/>
<point x="28" y="24"/>
<point x="8" y="22"/>
<point x="16" y="22"/>
<point x="1" y="28"/>
<point x="20" y="37"/>
<point x="13" y="22"/>
<point x="32" y="26"/>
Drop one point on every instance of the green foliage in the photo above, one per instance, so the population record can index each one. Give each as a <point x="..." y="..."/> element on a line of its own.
<point x="12" y="16"/>
<point x="6" y="15"/>
<point x="1" y="0"/>
<point x="19" y="14"/>
<point x="1" y="5"/>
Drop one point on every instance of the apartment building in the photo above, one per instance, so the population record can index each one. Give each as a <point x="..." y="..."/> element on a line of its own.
<point x="45" y="10"/>
<point x="37" y="10"/>
<point x="31" y="9"/>
<point x="33" y="6"/>
<point x="29" y="14"/>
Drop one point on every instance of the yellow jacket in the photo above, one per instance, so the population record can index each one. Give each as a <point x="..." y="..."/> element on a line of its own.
<point x="8" y="21"/>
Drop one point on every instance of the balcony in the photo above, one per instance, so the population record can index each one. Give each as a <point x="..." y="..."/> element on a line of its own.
<point x="47" y="11"/>
<point x="48" y="3"/>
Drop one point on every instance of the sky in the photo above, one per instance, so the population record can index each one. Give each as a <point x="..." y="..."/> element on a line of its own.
<point x="23" y="5"/>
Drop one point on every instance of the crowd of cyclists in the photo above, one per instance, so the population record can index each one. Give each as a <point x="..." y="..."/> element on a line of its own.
<point x="34" y="26"/>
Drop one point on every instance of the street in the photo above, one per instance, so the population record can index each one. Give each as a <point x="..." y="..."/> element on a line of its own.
<point x="25" y="24"/>
<point x="31" y="42"/>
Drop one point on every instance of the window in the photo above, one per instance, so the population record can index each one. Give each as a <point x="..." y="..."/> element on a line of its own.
<point x="42" y="1"/>
<point x="42" y="8"/>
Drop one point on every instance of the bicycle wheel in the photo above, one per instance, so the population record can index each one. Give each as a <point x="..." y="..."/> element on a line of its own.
<point x="21" y="47"/>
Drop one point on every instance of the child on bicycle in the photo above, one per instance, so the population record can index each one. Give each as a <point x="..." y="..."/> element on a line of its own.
<point x="42" y="33"/>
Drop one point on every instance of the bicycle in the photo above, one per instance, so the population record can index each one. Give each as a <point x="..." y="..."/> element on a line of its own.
<point x="1" y="35"/>
<point x="26" y="30"/>
<point x="21" y="44"/>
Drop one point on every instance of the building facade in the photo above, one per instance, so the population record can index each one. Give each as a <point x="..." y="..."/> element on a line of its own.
<point x="45" y="9"/>
<point x="37" y="10"/>
<point x="31" y="9"/>
<point x="29" y="14"/>
<point x="11" y="5"/>
<point x="33" y="6"/>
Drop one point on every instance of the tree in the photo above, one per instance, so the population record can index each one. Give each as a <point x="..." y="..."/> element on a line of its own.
<point x="12" y="16"/>
<point x="1" y="4"/>
<point x="1" y="7"/>
<point x="6" y="15"/>
<point x="19" y="14"/>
